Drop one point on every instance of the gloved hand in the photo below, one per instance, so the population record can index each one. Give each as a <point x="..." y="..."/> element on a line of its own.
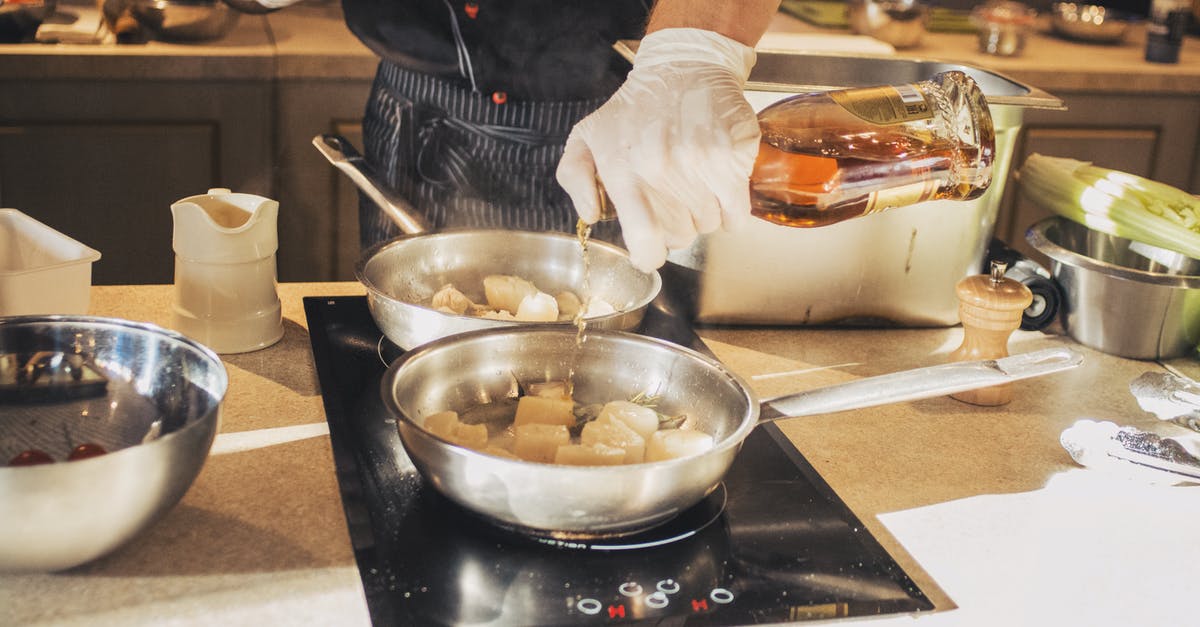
<point x="674" y="147"/>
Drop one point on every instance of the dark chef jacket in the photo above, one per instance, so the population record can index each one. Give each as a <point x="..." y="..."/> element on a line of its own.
<point x="529" y="49"/>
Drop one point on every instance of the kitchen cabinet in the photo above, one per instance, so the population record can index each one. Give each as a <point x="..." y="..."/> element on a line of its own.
<point x="97" y="141"/>
<point x="1155" y="136"/>
<point x="318" y="206"/>
<point x="102" y="161"/>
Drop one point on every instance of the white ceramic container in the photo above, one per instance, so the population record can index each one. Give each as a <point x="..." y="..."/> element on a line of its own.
<point x="42" y="271"/>
<point x="225" y="282"/>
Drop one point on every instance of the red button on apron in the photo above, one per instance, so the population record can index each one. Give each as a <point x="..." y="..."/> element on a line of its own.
<point x="499" y="97"/>
<point x="472" y="9"/>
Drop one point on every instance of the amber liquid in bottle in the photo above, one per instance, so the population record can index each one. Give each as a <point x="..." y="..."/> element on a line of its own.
<point x="829" y="157"/>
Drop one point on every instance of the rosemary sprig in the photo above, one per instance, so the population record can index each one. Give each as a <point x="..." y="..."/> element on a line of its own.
<point x="664" y="421"/>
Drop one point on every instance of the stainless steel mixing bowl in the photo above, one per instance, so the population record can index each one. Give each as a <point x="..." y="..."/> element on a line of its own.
<point x="1089" y="22"/>
<point x="185" y="20"/>
<point x="1003" y="26"/>
<point x="1122" y="297"/>
<point x="402" y="275"/>
<point x="901" y="23"/>
<point x="154" y="411"/>
<point x="19" y="20"/>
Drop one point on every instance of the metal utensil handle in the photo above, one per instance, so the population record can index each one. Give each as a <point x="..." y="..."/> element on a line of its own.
<point x="342" y="154"/>
<point x="1155" y="451"/>
<point x="910" y="385"/>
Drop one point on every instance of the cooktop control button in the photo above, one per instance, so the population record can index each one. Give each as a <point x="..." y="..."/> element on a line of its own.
<point x="668" y="586"/>
<point x="657" y="600"/>
<point x="721" y="595"/>
<point x="591" y="607"/>
<point x="630" y="588"/>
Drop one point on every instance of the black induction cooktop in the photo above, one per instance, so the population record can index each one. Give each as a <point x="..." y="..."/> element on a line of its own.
<point x="773" y="544"/>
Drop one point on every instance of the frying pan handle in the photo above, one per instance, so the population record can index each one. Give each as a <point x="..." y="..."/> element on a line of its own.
<point x="341" y="153"/>
<point x="910" y="385"/>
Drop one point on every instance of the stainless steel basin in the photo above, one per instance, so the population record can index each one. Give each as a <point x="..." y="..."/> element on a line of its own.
<point x="895" y="268"/>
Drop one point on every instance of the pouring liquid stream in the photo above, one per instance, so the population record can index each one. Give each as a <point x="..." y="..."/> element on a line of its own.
<point x="583" y="232"/>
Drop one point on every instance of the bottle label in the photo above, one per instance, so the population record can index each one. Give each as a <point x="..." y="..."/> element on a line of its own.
<point x="901" y="196"/>
<point x="885" y="105"/>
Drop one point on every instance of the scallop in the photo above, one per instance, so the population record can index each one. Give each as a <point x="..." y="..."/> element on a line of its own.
<point x="446" y="425"/>
<point x="589" y="455"/>
<point x="673" y="443"/>
<point x="539" y="442"/>
<point x="505" y="291"/>
<point x="550" y="389"/>
<point x="568" y="304"/>
<point x="640" y="418"/>
<point x="597" y="307"/>
<point x="441" y="424"/>
<point x="615" y="434"/>
<point x="451" y="300"/>
<point x="537" y="307"/>
<point x="545" y="410"/>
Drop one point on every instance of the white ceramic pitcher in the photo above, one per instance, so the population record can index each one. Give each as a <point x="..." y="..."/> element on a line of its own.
<point x="225" y="282"/>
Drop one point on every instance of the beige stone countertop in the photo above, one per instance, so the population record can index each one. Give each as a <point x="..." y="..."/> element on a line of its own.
<point x="308" y="40"/>
<point x="981" y="506"/>
<point x="311" y="41"/>
<point x="1056" y="64"/>
<point x="246" y="53"/>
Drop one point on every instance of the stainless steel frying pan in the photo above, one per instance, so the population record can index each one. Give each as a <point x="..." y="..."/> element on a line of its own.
<point x="401" y="275"/>
<point x="576" y="502"/>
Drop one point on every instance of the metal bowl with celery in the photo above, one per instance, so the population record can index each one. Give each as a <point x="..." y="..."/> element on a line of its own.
<point x="1125" y="252"/>
<point x="1122" y="297"/>
<point x="1114" y="202"/>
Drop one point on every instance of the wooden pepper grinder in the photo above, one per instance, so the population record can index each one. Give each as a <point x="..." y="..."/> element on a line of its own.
<point x="990" y="308"/>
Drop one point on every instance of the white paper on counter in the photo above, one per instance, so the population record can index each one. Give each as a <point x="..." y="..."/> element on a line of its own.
<point x="1088" y="549"/>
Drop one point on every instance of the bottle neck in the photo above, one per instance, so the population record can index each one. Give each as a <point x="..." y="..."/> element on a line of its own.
<point x="963" y="111"/>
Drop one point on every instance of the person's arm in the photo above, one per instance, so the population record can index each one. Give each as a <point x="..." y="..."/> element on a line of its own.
<point x="744" y="21"/>
<point x="675" y="146"/>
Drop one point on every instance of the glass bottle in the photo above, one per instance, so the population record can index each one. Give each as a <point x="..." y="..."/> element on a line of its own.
<point x="826" y="157"/>
<point x="1165" y="31"/>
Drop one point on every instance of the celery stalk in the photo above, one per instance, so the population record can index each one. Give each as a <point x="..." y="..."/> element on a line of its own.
<point x="1114" y="202"/>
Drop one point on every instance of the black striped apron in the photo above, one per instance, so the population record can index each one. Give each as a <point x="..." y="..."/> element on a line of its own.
<point x="465" y="160"/>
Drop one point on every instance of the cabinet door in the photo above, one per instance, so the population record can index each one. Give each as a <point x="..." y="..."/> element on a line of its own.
<point x="102" y="161"/>
<point x="1153" y="137"/>
<point x="109" y="186"/>
<point x="318" y="219"/>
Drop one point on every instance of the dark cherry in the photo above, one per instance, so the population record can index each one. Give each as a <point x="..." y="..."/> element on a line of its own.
<point x="86" y="450"/>
<point x="31" y="457"/>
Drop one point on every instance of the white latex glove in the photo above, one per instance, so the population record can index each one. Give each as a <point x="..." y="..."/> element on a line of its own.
<point x="674" y="147"/>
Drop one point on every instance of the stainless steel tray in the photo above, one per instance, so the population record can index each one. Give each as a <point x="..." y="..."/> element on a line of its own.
<point x="896" y="268"/>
